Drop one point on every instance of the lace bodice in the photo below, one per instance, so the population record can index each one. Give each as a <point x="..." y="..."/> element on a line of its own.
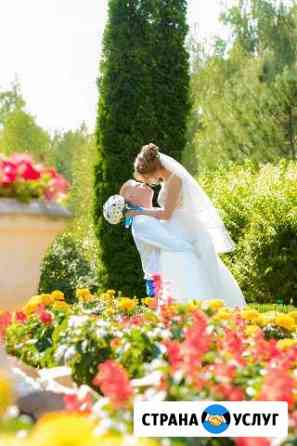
<point x="164" y="191"/>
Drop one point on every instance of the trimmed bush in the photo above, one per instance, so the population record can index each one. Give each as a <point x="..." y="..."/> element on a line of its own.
<point x="259" y="207"/>
<point x="65" y="268"/>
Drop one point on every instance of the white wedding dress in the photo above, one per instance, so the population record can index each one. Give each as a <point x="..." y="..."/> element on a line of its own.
<point x="201" y="274"/>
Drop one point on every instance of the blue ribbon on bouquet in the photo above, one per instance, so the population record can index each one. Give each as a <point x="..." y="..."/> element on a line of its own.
<point x="129" y="220"/>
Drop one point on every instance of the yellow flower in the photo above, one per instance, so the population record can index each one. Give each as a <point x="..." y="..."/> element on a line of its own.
<point x="283" y="344"/>
<point x="12" y="440"/>
<point x="125" y="303"/>
<point x="151" y="317"/>
<point x="84" y="294"/>
<point x="194" y="305"/>
<point x="6" y="393"/>
<point x="108" y="439"/>
<point x="62" y="429"/>
<point x="57" y="295"/>
<point x="293" y="314"/>
<point x="32" y="304"/>
<point x="251" y="330"/>
<point x="147" y="300"/>
<point x="285" y="321"/>
<point x="250" y="315"/>
<point x="222" y="315"/>
<point x="147" y="442"/>
<point x="109" y="311"/>
<point x="60" y="305"/>
<point x="267" y="318"/>
<point x="47" y="299"/>
<point x="215" y="304"/>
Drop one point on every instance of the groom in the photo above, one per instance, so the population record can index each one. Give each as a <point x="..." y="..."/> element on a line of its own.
<point x="149" y="234"/>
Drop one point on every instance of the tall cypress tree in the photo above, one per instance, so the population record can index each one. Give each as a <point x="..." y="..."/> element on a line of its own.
<point x="170" y="75"/>
<point x="133" y="84"/>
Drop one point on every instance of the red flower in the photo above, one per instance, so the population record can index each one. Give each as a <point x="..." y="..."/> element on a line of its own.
<point x="114" y="382"/>
<point x="45" y="317"/>
<point x="28" y="172"/>
<point x="252" y="442"/>
<point x="229" y="392"/>
<point x="20" y="317"/>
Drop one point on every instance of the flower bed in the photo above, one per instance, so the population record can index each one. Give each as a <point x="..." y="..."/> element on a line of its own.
<point x="24" y="180"/>
<point x="124" y="349"/>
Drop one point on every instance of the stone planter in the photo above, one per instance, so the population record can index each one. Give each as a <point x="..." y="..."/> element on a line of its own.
<point x="26" y="231"/>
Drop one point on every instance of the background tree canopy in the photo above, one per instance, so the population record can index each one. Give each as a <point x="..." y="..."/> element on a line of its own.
<point x="245" y="90"/>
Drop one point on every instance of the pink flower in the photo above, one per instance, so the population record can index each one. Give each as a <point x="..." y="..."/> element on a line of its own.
<point x="19" y="158"/>
<point x="75" y="404"/>
<point x="278" y="385"/>
<point x="174" y="352"/>
<point x="57" y="186"/>
<point x="197" y="342"/>
<point x="157" y="282"/>
<point x="113" y="381"/>
<point x="229" y="392"/>
<point x="293" y="419"/>
<point x="9" y="172"/>
<point x="5" y="321"/>
<point x="233" y="342"/>
<point x="137" y="319"/>
<point x="265" y="350"/>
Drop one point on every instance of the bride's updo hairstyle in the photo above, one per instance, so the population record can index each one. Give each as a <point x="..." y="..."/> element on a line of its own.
<point x="147" y="161"/>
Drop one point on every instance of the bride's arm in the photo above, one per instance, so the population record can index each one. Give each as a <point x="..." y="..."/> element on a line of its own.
<point x="170" y="204"/>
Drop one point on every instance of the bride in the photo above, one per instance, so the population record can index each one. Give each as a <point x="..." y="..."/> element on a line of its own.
<point x="189" y="213"/>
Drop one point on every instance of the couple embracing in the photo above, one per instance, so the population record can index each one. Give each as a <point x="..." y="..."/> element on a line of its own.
<point x="181" y="239"/>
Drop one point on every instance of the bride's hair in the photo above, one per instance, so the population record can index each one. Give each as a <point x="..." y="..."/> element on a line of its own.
<point x="147" y="161"/>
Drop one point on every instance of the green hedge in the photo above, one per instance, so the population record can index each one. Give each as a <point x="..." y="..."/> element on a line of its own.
<point x="65" y="268"/>
<point x="259" y="207"/>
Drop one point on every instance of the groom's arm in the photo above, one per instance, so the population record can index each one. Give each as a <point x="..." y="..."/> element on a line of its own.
<point x="155" y="233"/>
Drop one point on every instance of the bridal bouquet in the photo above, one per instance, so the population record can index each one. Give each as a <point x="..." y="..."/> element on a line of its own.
<point x="115" y="208"/>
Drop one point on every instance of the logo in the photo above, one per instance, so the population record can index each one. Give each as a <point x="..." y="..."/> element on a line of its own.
<point x="210" y="419"/>
<point x="216" y="418"/>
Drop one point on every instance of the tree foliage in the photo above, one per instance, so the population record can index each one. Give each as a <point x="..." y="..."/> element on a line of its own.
<point x="245" y="96"/>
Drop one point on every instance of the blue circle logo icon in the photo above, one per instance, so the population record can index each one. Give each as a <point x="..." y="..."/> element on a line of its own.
<point x="216" y="418"/>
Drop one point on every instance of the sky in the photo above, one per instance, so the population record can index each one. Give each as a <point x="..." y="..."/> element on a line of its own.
<point x="53" y="48"/>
